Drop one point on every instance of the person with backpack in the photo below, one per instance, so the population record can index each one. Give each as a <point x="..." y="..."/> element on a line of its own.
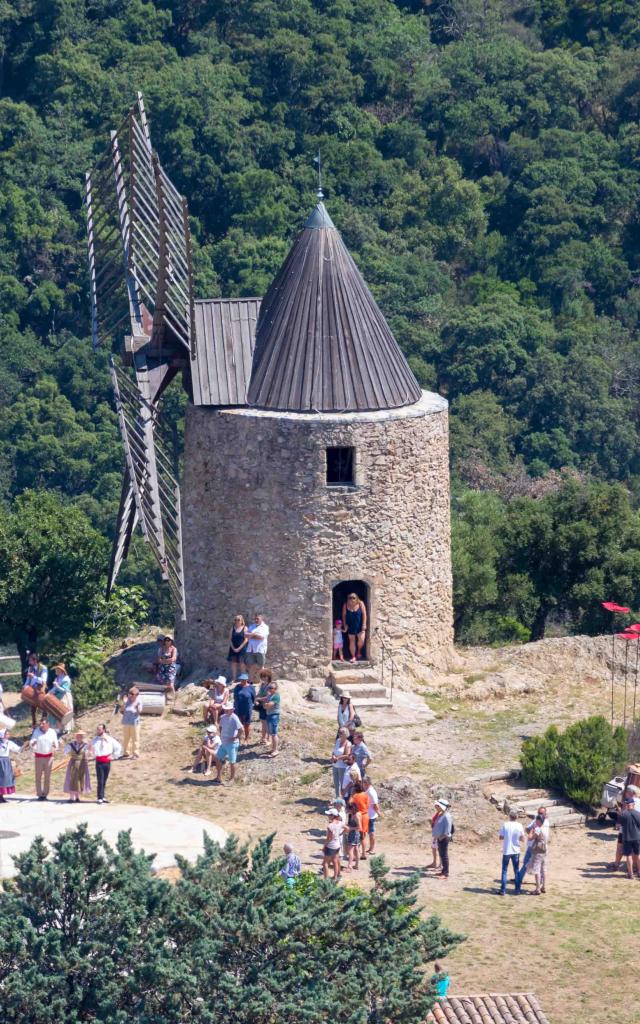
<point x="529" y="832"/>
<point x="539" y="855"/>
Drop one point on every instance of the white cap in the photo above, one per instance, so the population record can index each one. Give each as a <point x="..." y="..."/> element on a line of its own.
<point x="220" y="679"/>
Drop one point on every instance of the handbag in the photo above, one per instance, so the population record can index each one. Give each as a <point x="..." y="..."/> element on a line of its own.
<point x="357" y="721"/>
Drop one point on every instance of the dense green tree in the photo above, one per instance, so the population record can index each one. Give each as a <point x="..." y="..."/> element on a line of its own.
<point x="87" y="933"/>
<point x="51" y="571"/>
<point x="480" y="157"/>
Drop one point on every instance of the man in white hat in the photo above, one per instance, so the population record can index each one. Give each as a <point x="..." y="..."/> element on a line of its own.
<point x="230" y="729"/>
<point x="442" y="831"/>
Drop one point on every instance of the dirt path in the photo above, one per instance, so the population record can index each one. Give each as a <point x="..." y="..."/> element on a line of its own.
<point x="568" y="946"/>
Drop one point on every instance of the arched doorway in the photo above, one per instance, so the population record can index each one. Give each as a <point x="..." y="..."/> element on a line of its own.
<point x="340" y="592"/>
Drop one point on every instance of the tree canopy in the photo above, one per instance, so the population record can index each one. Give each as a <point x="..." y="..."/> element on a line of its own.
<point x="480" y="160"/>
<point x="88" y="933"/>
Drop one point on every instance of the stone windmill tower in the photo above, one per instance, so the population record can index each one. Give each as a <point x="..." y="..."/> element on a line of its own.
<point x="314" y="466"/>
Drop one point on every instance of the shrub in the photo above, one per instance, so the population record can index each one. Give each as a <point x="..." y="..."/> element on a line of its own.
<point x="92" y="683"/>
<point x="578" y="761"/>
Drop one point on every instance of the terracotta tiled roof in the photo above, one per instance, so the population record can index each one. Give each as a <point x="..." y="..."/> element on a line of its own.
<point x="489" y="1008"/>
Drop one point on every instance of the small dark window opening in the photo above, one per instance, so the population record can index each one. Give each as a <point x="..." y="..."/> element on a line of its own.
<point x="340" y="466"/>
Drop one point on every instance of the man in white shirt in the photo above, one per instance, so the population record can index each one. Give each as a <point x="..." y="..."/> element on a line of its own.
<point x="43" y="743"/>
<point x="512" y="835"/>
<point x="230" y="728"/>
<point x="256" y="653"/>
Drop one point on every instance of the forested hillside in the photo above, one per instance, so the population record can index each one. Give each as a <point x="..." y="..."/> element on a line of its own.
<point x="482" y="162"/>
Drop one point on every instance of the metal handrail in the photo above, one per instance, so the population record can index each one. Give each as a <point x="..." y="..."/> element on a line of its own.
<point x="385" y="652"/>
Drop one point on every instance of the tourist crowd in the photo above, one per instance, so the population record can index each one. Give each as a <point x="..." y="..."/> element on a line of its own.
<point x="228" y="715"/>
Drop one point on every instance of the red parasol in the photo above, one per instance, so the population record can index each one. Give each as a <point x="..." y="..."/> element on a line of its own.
<point x="611" y="606"/>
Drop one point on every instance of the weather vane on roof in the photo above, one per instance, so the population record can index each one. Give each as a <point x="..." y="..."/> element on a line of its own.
<point x="318" y="160"/>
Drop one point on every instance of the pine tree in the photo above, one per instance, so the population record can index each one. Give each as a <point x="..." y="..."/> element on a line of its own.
<point x="88" y="933"/>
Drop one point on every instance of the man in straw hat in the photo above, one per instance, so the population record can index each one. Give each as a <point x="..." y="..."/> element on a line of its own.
<point x="442" y="831"/>
<point x="230" y="729"/>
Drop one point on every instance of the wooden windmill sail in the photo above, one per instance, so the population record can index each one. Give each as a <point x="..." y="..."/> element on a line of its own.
<point x="141" y="285"/>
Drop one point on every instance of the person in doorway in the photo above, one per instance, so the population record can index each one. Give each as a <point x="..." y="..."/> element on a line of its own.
<point x="36" y="676"/>
<point x="244" y="698"/>
<point x="237" y="647"/>
<point x="230" y="729"/>
<point x="43" y="743"/>
<point x="512" y="835"/>
<point x="265" y="678"/>
<point x="61" y="688"/>
<point x="256" y="650"/>
<point x="105" y="749"/>
<point x="338" y="641"/>
<point x="7" y="772"/>
<point x="332" y="844"/>
<point x="208" y="750"/>
<point x="166" y="665"/>
<point x="272" y="708"/>
<point x="354" y="617"/>
<point x="340" y="759"/>
<point x="529" y="830"/>
<point x="374" y="812"/>
<point x="131" y="712"/>
<point x="630" y="830"/>
<point x="292" y="866"/>
<point x="538" y="859"/>
<point x="77" y="779"/>
<point x="443" y="832"/>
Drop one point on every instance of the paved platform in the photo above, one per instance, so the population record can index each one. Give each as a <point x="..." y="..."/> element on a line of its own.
<point x="163" y="833"/>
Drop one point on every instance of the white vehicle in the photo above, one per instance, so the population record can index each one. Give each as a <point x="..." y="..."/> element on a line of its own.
<point x="612" y="792"/>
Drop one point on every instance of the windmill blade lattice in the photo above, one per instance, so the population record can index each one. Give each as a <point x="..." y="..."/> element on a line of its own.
<point x="139" y="243"/>
<point x="141" y="285"/>
<point x="155" y="492"/>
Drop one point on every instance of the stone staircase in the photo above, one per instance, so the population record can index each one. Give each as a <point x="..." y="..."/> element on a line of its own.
<point x="362" y="680"/>
<point x="560" y="811"/>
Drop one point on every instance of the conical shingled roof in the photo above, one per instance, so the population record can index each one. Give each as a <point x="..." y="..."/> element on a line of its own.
<point x="322" y="344"/>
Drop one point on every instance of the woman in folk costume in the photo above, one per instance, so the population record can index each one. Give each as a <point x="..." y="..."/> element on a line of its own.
<point x="7" y="774"/>
<point x="61" y="688"/>
<point x="77" y="779"/>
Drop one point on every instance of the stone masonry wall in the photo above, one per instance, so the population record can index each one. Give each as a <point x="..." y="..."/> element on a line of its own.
<point x="263" y="532"/>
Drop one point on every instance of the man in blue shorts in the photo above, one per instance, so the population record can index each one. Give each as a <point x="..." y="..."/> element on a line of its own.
<point x="230" y="727"/>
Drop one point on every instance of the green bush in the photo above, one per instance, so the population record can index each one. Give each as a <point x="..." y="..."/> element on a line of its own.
<point x="578" y="761"/>
<point x="92" y="683"/>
